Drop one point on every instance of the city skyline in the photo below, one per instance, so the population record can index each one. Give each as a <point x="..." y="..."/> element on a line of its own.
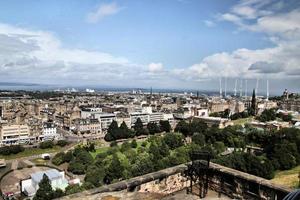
<point x="178" y="44"/>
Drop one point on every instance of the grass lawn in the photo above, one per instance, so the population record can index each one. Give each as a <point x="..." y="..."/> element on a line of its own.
<point x="242" y="121"/>
<point x="287" y="178"/>
<point x="39" y="161"/>
<point x="99" y="150"/>
<point x="104" y="149"/>
<point x="30" y="152"/>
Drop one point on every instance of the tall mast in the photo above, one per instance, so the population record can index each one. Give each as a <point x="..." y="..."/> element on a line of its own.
<point x="256" y="88"/>
<point x="267" y="89"/>
<point x="246" y="87"/>
<point x="241" y="88"/>
<point x="220" y="87"/>
<point x="235" y="85"/>
<point x="225" y="86"/>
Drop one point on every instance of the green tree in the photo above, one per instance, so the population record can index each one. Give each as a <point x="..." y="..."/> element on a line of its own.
<point x="45" y="191"/>
<point x="112" y="131"/>
<point x="115" y="169"/>
<point x="197" y="126"/>
<point x="95" y="175"/>
<point x="173" y="140"/>
<point x="134" y="144"/>
<point x="183" y="128"/>
<point x="199" y="138"/>
<point x="153" y="128"/>
<point x="165" y="125"/>
<point x="253" y="109"/>
<point x="71" y="189"/>
<point x="138" y="127"/>
<point x="58" y="158"/>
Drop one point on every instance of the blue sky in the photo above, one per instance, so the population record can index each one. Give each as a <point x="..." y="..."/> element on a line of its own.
<point x="165" y="44"/>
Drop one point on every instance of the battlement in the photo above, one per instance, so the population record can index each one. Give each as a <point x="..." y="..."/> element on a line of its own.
<point x="223" y="180"/>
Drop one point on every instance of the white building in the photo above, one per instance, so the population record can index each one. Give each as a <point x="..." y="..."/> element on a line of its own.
<point x="156" y="117"/>
<point x="49" y="132"/>
<point x="105" y="119"/>
<point x="143" y="116"/>
<point x="57" y="179"/>
<point x="216" y="121"/>
<point x="88" y="112"/>
<point x="15" y="134"/>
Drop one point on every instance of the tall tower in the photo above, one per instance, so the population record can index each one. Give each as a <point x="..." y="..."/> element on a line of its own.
<point x="235" y="85"/>
<point x="267" y="89"/>
<point x="256" y="88"/>
<point x="220" y="87"/>
<point x="241" y="88"/>
<point x="225" y="87"/>
<point x="246" y="87"/>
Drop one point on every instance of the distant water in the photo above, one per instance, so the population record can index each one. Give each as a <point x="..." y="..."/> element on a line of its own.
<point x="36" y="87"/>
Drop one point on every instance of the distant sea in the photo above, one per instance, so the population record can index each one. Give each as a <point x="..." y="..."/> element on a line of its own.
<point x="39" y="87"/>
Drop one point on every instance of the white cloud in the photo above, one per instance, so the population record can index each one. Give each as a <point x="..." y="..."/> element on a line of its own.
<point x="38" y="56"/>
<point x="209" y="23"/>
<point x="282" y="60"/>
<point x="155" y="67"/>
<point x="102" y="11"/>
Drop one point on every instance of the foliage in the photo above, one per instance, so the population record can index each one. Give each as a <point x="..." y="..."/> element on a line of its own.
<point x="153" y="128"/>
<point x="14" y="149"/>
<point x="138" y="127"/>
<point x="133" y="144"/>
<point x="115" y="133"/>
<point x="95" y="175"/>
<point x="267" y="115"/>
<point x="165" y="126"/>
<point x="248" y="163"/>
<point x="45" y="191"/>
<point x="62" y="143"/>
<point x="71" y="189"/>
<point x="188" y="129"/>
<point x="173" y="140"/>
<point x="46" y="145"/>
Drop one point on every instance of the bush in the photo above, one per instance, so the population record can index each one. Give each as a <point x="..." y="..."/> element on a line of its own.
<point x="58" y="159"/>
<point x="76" y="168"/>
<point x="134" y="144"/>
<point x="46" y="145"/>
<point x="14" y="149"/>
<point x="62" y="143"/>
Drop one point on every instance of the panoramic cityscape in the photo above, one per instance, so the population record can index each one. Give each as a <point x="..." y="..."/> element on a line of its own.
<point x="140" y="99"/>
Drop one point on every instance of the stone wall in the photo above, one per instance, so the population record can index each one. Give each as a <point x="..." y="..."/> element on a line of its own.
<point x="227" y="181"/>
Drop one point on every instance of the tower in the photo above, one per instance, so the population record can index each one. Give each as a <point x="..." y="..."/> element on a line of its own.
<point x="267" y="89"/>
<point x="235" y="85"/>
<point x="256" y="88"/>
<point x="220" y="87"/>
<point x="246" y="87"/>
<point x="241" y="88"/>
<point x="225" y="87"/>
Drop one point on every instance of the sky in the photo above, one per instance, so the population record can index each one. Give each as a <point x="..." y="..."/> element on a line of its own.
<point x="173" y="44"/>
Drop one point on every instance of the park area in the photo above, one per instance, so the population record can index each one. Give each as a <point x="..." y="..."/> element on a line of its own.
<point x="289" y="178"/>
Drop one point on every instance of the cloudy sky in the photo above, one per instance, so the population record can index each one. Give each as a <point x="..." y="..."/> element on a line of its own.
<point x="179" y="44"/>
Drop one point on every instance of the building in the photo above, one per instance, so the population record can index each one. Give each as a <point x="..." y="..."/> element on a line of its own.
<point x="215" y="121"/>
<point x="88" y="112"/>
<point x="49" y="131"/>
<point x="105" y="119"/>
<point x="156" y="117"/>
<point x="15" y="134"/>
<point x="291" y="104"/>
<point x="123" y="117"/>
<point x="87" y="126"/>
<point x="143" y="116"/>
<point x="57" y="179"/>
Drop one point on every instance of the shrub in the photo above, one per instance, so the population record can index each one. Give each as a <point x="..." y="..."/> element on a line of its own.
<point x="58" y="159"/>
<point x="46" y="145"/>
<point x="62" y="143"/>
